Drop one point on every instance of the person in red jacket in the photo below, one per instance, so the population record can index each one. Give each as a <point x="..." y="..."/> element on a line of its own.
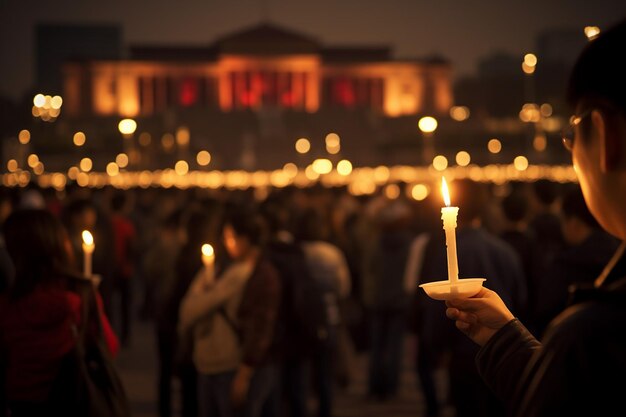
<point x="39" y="310"/>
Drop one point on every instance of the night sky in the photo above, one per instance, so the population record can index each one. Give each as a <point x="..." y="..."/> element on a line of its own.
<point x="462" y="31"/>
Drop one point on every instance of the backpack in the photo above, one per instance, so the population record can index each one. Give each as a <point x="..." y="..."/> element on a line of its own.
<point x="307" y="309"/>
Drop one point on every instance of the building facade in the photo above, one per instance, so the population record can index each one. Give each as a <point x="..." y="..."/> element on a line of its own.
<point x="265" y="66"/>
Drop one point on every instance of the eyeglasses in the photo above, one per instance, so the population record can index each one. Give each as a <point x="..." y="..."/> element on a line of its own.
<point x="568" y="134"/>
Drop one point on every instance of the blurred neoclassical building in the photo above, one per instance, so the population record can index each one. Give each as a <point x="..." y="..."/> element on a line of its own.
<point x="265" y="66"/>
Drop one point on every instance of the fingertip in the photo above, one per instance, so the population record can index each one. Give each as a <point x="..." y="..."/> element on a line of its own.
<point x="461" y="325"/>
<point x="452" y="313"/>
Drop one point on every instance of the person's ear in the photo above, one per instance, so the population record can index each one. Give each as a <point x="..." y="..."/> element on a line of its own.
<point x="610" y="142"/>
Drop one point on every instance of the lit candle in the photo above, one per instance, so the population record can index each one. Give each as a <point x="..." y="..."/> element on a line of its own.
<point x="449" y="215"/>
<point x="208" y="259"/>
<point x="88" y="248"/>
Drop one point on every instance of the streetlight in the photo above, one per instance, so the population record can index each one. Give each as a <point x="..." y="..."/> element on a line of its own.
<point x="127" y="128"/>
<point x="427" y="126"/>
<point x="529" y="65"/>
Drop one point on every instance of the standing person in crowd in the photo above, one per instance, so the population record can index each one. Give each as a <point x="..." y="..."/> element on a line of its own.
<point x="159" y="267"/>
<point x="7" y="272"/>
<point x="545" y="229"/>
<point x="233" y="319"/>
<point x="288" y="258"/>
<point x="38" y="312"/>
<point x="82" y="214"/>
<point x="574" y="371"/>
<point x="588" y="248"/>
<point x="480" y="254"/>
<point x="175" y="350"/>
<point x="386" y="297"/>
<point x="515" y="208"/>
<point x="327" y="265"/>
<point x="125" y="247"/>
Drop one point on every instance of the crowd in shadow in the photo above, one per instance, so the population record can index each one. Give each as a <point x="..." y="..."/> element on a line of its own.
<point x="300" y="282"/>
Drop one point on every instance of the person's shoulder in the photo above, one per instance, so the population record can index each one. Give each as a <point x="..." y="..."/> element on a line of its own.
<point x="590" y="322"/>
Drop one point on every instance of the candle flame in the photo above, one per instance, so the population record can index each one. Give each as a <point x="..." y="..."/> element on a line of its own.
<point x="207" y="250"/>
<point x="445" y="192"/>
<point x="87" y="238"/>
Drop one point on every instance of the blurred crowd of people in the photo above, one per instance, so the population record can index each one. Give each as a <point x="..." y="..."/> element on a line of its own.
<point x="301" y="281"/>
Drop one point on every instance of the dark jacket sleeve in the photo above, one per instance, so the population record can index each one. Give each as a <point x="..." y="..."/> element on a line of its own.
<point x="258" y="313"/>
<point x="503" y="360"/>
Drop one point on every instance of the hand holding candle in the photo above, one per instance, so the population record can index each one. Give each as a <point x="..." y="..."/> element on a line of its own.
<point x="453" y="287"/>
<point x="88" y="248"/>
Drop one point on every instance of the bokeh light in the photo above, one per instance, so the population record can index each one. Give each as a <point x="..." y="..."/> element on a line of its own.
<point x="79" y="139"/>
<point x="203" y="158"/>
<point x="303" y="145"/>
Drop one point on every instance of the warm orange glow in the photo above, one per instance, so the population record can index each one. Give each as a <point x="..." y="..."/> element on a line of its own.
<point x="181" y="167"/>
<point x="112" y="169"/>
<point x="494" y="146"/>
<point x="419" y="192"/>
<point x="24" y="136"/>
<point x="530" y="60"/>
<point x="427" y="124"/>
<point x="592" y="32"/>
<point x="459" y="113"/>
<point x="86" y="164"/>
<point x="127" y="126"/>
<point x="344" y="167"/>
<point x="39" y="100"/>
<point x="445" y="192"/>
<point x="33" y="160"/>
<point x="79" y="138"/>
<point x="463" y="158"/>
<point x="87" y="238"/>
<point x="440" y="162"/>
<point x="203" y="158"/>
<point x="207" y="250"/>
<point x="322" y="166"/>
<point x="303" y="145"/>
<point x="520" y="163"/>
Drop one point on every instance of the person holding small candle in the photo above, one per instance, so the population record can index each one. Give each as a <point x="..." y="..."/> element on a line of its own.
<point x="38" y="312"/>
<point x="232" y="319"/>
<point x="578" y="368"/>
<point x="479" y="254"/>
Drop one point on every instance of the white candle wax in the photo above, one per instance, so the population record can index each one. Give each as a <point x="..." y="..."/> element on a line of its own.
<point x="88" y="248"/>
<point x="449" y="215"/>
<point x="208" y="259"/>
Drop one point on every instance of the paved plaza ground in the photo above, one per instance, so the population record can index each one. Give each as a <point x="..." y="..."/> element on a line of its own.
<point x="138" y="367"/>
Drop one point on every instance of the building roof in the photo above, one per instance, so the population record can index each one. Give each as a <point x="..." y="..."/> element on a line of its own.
<point x="172" y="53"/>
<point x="352" y="54"/>
<point x="267" y="39"/>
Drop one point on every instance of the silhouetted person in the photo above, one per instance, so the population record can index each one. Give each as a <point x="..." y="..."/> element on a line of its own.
<point x="573" y="371"/>
<point x="480" y="254"/>
<point x="588" y="249"/>
<point x="38" y="312"/>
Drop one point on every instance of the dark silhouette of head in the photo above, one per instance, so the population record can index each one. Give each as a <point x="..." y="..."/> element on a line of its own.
<point x="470" y="196"/>
<point x="515" y="207"/>
<point x="598" y="74"/>
<point x="39" y="248"/>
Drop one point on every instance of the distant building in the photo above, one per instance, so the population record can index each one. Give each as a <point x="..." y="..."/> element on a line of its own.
<point x="261" y="67"/>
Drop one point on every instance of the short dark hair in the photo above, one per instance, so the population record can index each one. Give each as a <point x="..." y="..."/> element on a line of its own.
<point x="471" y="196"/>
<point x="598" y="73"/>
<point x="38" y="245"/>
<point x="246" y="221"/>
<point x="546" y="191"/>
<point x="515" y="206"/>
